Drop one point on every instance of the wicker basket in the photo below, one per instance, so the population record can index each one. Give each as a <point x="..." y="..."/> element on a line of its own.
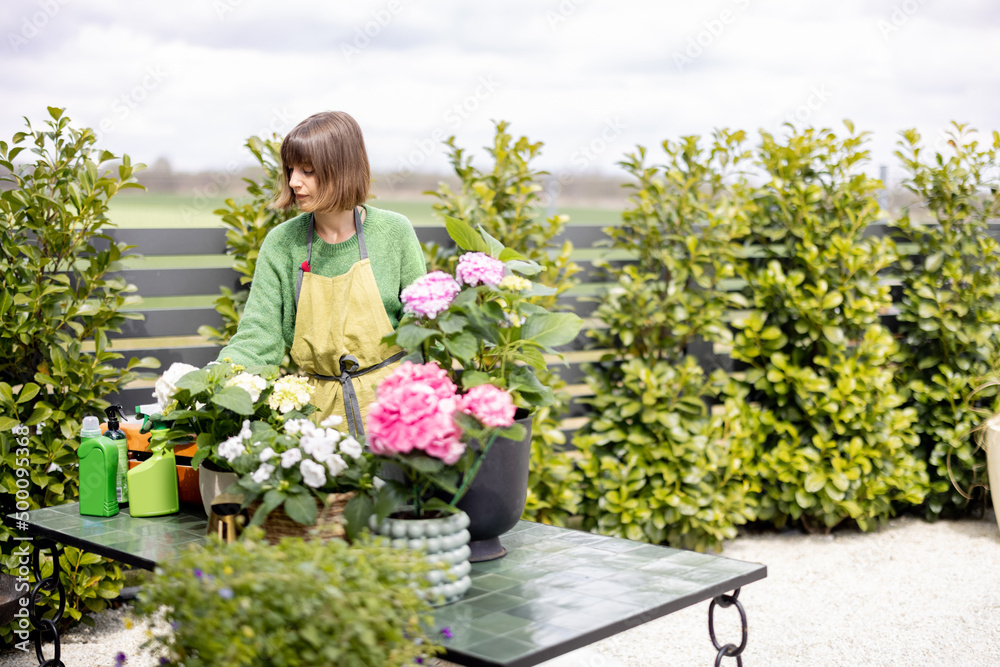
<point x="329" y="520"/>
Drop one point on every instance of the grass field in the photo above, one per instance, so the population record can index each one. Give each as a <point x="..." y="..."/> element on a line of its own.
<point x="151" y="211"/>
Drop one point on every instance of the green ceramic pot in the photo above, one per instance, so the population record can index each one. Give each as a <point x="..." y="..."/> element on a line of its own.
<point x="445" y="541"/>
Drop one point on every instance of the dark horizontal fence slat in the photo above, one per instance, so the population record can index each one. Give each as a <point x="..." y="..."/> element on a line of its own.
<point x="196" y="356"/>
<point x="169" y="322"/>
<point x="152" y="242"/>
<point x="180" y="282"/>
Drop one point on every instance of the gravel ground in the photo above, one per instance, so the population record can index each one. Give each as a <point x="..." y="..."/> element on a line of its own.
<point x="912" y="594"/>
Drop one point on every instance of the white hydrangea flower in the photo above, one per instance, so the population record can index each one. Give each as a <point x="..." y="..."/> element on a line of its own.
<point x="351" y="447"/>
<point x="267" y="454"/>
<point x="313" y="474"/>
<point x="166" y="385"/>
<point x="336" y="464"/>
<point x="291" y="457"/>
<point x="332" y="421"/>
<point x="253" y="384"/>
<point x="263" y="473"/>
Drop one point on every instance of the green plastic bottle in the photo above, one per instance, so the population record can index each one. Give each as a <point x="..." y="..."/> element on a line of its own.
<point x="116" y="435"/>
<point x="98" y="471"/>
<point x="152" y="484"/>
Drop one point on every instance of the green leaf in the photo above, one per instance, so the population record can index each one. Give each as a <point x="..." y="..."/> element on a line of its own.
<point x="552" y="329"/>
<point x="356" y="514"/>
<point x="933" y="262"/>
<point x="472" y="379"/>
<point x="495" y="246"/>
<point x="301" y="508"/>
<point x="464" y="236"/>
<point x="524" y="266"/>
<point x="410" y="336"/>
<point x="28" y="392"/>
<point x="509" y="254"/>
<point x="462" y="346"/>
<point x="834" y="334"/>
<point x="194" y="382"/>
<point x="236" y="399"/>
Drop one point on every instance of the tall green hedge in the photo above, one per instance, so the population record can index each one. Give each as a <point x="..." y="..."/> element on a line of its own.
<point x="949" y="309"/>
<point x="839" y="445"/>
<point x="658" y="464"/>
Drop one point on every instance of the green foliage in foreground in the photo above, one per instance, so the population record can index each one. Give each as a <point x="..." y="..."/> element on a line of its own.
<point x="297" y="603"/>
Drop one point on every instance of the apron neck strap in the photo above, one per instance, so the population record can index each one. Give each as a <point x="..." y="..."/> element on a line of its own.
<point x="309" y="245"/>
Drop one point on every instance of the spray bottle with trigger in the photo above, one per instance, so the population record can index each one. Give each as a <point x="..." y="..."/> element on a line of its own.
<point x="117" y="436"/>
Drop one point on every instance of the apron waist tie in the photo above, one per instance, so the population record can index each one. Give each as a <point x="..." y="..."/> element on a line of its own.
<point x="349" y="369"/>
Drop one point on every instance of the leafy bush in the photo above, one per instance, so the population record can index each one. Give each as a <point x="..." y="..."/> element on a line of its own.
<point x="838" y="445"/>
<point x="504" y="200"/>
<point x="297" y="603"/>
<point x="659" y="465"/>
<point x="248" y="223"/>
<point x="949" y="311"/>
<point x="59" y="303"/>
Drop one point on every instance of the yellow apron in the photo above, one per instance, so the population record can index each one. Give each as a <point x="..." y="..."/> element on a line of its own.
<point x="339" y="325"/>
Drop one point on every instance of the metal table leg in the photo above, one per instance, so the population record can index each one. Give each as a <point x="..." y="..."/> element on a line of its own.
<point x="727" y="650"/>
<point x="35" y="611"/>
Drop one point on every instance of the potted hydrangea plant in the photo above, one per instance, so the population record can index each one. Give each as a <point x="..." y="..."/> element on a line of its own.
<point x="420" y="423"/>
<point x="480" y="326"/>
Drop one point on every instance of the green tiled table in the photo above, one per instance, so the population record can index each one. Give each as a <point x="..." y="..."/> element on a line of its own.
<point x="141" y="542"/>
<point x="556" y="590"/>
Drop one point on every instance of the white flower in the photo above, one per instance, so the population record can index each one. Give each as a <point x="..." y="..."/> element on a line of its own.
<point x="166" y="385"/>
<point x="313" y="474"/>
<point x="378" y="483"/>
<point x="351" y="447"/>
<point x="253" y="384"/>
<point x="267" y="454"/>
<point x="291" y="457"/>
<point x="318" y="447"/>
<point x="232" y="448"/>
<point x="332" y="435"/>
<point x="336" y="465"/>
<point x="331" y="421"/>
<point x="245" y="430"/>
<point x="294" y="426"/>
<point x="291" y="392"/>
<point x="263" y="473"/>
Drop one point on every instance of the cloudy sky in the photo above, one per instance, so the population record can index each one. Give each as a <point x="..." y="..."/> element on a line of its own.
<point x="189" y="80"/>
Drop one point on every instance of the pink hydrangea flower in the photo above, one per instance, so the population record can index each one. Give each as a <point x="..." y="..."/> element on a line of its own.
<point x="430" y="295"/>
<point x="490" y="405"/>
<point x="430" y="374"/>
<point x="415" y="410"/>
<point x="478" y="268"/>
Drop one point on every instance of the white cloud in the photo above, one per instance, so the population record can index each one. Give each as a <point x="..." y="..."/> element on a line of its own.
<point x="558" y="70"/>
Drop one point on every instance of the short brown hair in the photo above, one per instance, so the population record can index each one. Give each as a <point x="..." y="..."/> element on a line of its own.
<point x="332" y="144"/>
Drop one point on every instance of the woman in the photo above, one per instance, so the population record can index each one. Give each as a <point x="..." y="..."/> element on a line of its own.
<point x="327" y="282"/>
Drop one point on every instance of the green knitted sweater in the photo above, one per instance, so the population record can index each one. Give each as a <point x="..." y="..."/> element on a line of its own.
<point x="267" y="326"/>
